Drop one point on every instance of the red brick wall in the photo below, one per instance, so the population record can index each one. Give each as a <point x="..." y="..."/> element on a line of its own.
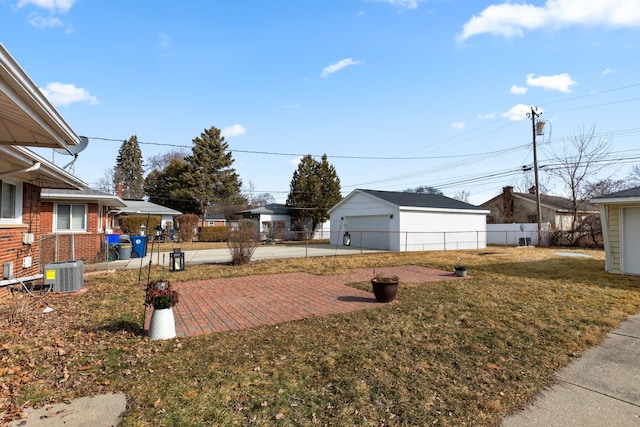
<point x="60" y="246"/>
<point x="11" y="247"/>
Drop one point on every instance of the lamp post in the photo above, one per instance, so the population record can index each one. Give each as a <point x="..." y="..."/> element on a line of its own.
<point x="537" y="128"/>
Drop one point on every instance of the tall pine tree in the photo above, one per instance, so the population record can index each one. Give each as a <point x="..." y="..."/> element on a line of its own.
<point x="209" y="177"/>
<point x="314" y="189"/>
<point x="128" y="170"/>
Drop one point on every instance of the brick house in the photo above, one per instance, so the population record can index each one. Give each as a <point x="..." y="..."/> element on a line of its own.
<point x="27" y="119"/>
<point x="74" y="223"/>
<point x="513" y="207"/>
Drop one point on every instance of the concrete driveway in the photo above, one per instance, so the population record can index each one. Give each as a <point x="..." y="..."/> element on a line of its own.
<point x="216" y="256"/>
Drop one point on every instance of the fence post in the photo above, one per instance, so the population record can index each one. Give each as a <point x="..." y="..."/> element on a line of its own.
<point x="444" y="240"/>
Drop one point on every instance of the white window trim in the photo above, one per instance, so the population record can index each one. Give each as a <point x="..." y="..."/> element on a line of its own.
<point x="18" y="203"/>
<point x="101" y="211"/>
<point x="55" y="218"/>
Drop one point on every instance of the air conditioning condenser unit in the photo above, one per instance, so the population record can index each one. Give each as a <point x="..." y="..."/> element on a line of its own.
<point x="64" y="276"/>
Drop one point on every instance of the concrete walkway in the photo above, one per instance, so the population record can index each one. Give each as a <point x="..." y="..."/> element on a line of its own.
<point x="602" y="388"/>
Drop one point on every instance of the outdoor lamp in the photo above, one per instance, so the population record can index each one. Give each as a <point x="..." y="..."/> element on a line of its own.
<point x="176" y="260"/>
<point x="141" y="229"/>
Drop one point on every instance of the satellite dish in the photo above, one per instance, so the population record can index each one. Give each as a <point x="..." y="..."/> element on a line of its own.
<point x="73" y="150"/>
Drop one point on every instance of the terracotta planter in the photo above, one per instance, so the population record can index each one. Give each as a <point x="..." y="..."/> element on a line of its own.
<point x="163" y="325"/>
<point x="385" y="288"/>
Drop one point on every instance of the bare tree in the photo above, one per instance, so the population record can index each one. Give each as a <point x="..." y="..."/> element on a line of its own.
<point x="462" y="195"/>
<point x="106" y="183"/>
<point x="583" y="156"/>
<point x="161" y="161"/>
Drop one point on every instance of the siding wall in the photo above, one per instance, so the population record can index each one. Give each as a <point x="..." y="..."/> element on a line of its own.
<point x="613" y="227"/>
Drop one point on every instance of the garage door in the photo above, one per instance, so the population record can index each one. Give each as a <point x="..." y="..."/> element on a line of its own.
<point x="373" y="230"/>
<point x="631" y="240"/>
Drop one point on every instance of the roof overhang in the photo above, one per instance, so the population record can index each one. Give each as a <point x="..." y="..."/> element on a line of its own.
<point x="617" y="200"/>
<point x="26" y="116"/>
<point x="81" y="196"/>
<point x="22" y="164"/>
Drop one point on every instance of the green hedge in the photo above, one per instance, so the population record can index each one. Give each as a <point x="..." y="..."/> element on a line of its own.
<point x="218" y="233"/>
<point x="130" y="224"/>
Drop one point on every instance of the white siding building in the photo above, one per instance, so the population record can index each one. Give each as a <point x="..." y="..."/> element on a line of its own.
<point x="400" y="222"/>
<point x="620" y="215"/>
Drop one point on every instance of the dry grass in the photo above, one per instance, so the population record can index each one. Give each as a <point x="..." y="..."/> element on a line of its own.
<point x="445" y="353"/>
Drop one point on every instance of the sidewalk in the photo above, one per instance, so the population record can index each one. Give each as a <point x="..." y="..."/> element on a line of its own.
<point x="602" y="388"/>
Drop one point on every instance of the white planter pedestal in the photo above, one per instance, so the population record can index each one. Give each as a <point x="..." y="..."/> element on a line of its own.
<point x="163" y="325"/>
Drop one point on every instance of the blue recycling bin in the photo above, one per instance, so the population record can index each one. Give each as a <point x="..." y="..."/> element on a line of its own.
<point x="139" y="246"/>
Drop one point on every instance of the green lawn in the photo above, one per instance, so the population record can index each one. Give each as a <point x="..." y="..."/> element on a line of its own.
<point x="450" y="353"/>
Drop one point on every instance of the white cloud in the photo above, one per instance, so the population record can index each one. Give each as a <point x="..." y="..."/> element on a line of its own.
<point x="487" y="116"/>
<point x="514" y="19"/>
<point x="458" y="125"/>
<point x="405" y="4"/>
<point x="518" y="112"/>
<point x="39" y="22"/>
<point x="295" y="162"/>
<point x="61" y="94"/>
<point x="560" y="82"/>
<point x="519" y="90"/>
<point x="334" y="68"/>
<point x="234" y="130"/>
<point x="608" y="71"/>
<point x="54" y="6"/>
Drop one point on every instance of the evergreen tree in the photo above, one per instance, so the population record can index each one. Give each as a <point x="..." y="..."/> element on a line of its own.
<point x="209" y="177"/>
<point x="165" y="187"/>
<point x="128" y="170"/>
<point x="314" y="189"/>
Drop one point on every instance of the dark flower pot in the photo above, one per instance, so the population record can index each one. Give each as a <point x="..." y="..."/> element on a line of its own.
<point x="460" y="270"/>
<point x="385" y="288"/>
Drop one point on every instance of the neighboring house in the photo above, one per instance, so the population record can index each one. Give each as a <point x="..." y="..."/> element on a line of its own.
<point x="74" y="223"/>
<point x="510" y="207"/>
<point x="27" y="119"/>
<point x="620" y="215"/>
<point x="274" y="222"/>
<point x="214" y="220"/>
<point x="140" y="207"/>
<point x="399" y="222"/>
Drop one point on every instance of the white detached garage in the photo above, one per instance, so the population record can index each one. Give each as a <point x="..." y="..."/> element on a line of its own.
<point x="620" y="216"/>
<point x="400" y="222"/>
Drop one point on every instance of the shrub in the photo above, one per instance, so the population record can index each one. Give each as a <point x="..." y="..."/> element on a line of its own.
<point x="185" y="225"/>
<point x="130" y="224"/>
<point x="218" y="233"/>
<point x="242" y="242"/>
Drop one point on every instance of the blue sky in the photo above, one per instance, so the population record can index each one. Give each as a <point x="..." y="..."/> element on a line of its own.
<point x="398" y="93"/>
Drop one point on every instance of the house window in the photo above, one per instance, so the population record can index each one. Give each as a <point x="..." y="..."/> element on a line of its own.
<point x="100" y="216"/>
<point x="71" y="217"/>
<point x="10" y="202"/>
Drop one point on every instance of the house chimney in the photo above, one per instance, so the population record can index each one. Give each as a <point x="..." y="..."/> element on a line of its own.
<point x="120" y="190"/>
<point x="507" y="204"/>
<point x="532" y="189"/>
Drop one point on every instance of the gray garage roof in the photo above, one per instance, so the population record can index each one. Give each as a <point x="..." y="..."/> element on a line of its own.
<point x="630" y="194"/>
<point x="420" y="200"/>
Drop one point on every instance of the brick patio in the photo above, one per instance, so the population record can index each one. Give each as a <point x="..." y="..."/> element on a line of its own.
<point x="218" y="305"/>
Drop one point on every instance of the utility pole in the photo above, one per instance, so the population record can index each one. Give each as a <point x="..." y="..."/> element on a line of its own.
<point x="537" y="129"/>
